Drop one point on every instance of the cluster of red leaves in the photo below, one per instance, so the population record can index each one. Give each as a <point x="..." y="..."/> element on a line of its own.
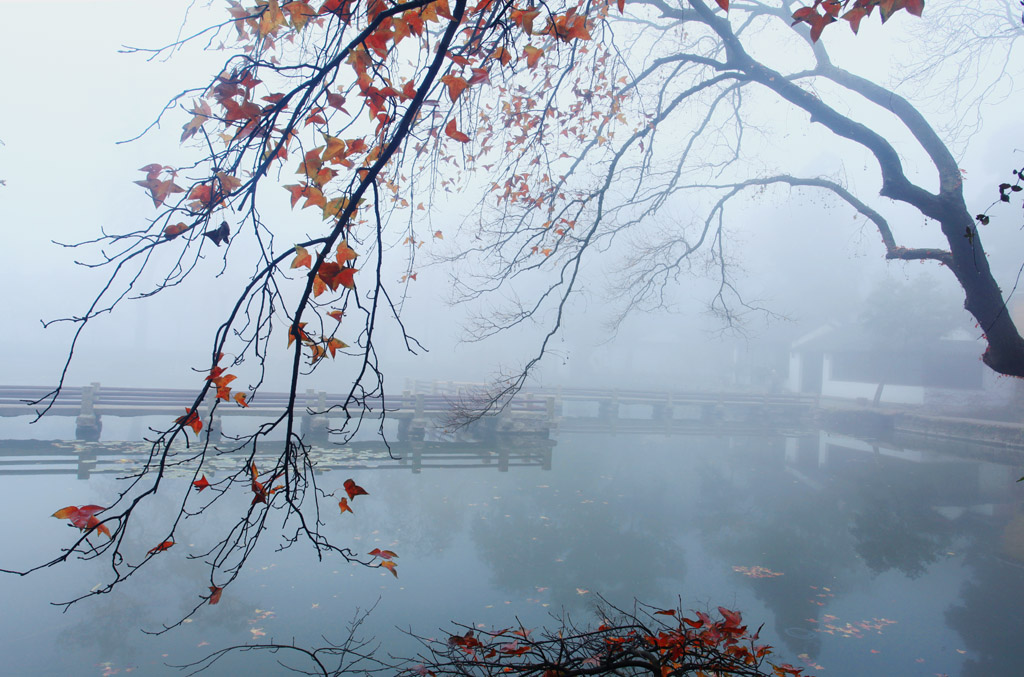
<point x="220" y="380"/>
<point x="824" y="12"/>
<point x="700" y="645"/>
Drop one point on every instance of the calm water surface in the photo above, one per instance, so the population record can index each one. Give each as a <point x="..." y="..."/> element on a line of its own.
<point x="858" y="559"/>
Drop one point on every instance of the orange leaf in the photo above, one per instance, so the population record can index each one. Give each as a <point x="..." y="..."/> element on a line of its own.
<point x="383" y="554"/>
<point x="438" y="235"/>
<point x="171" y="232"/>
<point x="452" y="132"/>
<point x="160" y="548"/>
<point x="215" y="594"/>
<point x="201" y="483"/>
<point x="532" y="55"/>
<point x="302" y="258"/>
<point x="345" y="253"/>
<point x="343" y="504"/>
<point x="191" y="419"/>
<point x="240" y="399"/>
<point x="353" y="489"/>
<point x="335" y="345"/>
<point x="390" y="566"/>
<point x="456" y="85"/>
<point x="93" y="523"/>
<point x="302" y="334"/>
<point x="502" y="55"/>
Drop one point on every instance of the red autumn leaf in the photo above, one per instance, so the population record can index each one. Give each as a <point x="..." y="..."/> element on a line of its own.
<point x="152" y="170"/>
<point x="390" y="566"/>
<point x="171" y="232"/>
<point x="524" y="18"/>
<point x="93" y="523"/>
<point x="345" y="277"/>
<point x="915" y="7"/>
<point x="622" y="6"/>
<point x="159" y="190"/>
<point x="336" y="314"/>
<point x="190" y="419"/>
<point x="328" y="273"/>
<point x="818" y="25"/>
<point x="215" y="594"/>
<point x="83" y="517"/>
<point x="732" y="618"/>
<point x="160" y="548"/>
<point x="480" y="75"/>
<point x="854" y="16"/>
<point x="78" y="516"/>
<point x="724" y="4"/>
<point x="666" y="612"/>
<point x="353" y="489"/>
<point x="201" y="483"/>
<point x="383" y="554"/>
<point x="452" y="132"/>
<point x="203" y="194"/>
<point x="438" y="235"/>
<point x="343" y="504"/>
<point x="804" y="14"/>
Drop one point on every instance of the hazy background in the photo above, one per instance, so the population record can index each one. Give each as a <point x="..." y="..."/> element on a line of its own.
<point x="70" y="96"/>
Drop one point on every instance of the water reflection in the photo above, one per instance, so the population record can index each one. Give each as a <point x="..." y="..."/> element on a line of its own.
<point x="858" y="556"/>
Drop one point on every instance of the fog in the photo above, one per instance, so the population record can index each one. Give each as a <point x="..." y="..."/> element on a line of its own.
<point x="803" y="259"/>
<point x="818" y="317"/>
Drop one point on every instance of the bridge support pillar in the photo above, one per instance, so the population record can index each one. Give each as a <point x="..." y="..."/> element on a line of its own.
<point x="88" y="424"/>
<point x="315" y="423"/>
<point x="608" y="411"/>
<point x="86" y="463"/>
<point x="216" y="429"/>
<point x="411" y="429"/>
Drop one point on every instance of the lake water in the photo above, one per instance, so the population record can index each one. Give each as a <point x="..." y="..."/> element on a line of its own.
<point x="859" y="559"/>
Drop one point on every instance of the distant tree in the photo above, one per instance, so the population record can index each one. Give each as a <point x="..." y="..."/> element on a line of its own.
<point x="581" y="123"/>
<point x="907" y="315"/>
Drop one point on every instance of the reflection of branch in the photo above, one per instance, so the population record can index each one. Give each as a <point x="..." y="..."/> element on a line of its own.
<point x="640" y="641"/>
<point x="354" y="655"/>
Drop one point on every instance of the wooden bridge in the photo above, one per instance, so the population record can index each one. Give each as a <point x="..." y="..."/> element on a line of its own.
<point x="85" y="459"/>
<point x="422" y="407"/>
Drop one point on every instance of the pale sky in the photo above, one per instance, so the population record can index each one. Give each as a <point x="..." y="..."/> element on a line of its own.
<point x="70" y="96"/>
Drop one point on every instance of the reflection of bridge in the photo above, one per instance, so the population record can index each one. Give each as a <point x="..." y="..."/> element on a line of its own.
<point x="424" y="405"/>
<point x="84" y="459"/>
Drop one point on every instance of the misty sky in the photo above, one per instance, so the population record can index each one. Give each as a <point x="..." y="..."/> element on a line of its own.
<point x="70" y="97"/>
